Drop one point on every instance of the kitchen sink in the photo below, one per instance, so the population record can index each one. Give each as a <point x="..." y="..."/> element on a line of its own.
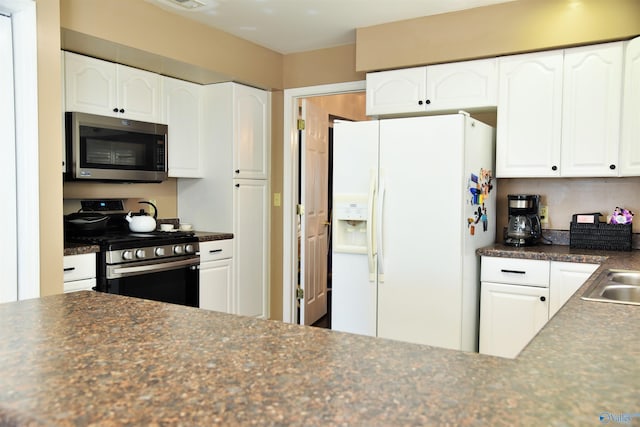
<point x="617" y="286"/>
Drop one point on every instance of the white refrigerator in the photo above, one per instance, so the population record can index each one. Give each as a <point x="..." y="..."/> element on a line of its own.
<point x="413" y="200"/>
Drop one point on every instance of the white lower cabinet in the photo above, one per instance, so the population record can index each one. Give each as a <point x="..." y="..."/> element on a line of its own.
<point x="216" y="275"/>
<point x="79" y="272"/>
<point x="565" y="279"/>
<point x="251" y="226"/>
<point x="519" y="296"/>
<point x="514" y="304"/>
<point x="510" y="316"/>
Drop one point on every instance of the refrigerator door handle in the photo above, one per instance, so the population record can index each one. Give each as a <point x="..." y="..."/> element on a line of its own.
<point x="379" y="221"/>
<point x="371" y="250"/>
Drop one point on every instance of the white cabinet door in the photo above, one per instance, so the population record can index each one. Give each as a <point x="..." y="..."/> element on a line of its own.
<point x="462" y="85"/>
<point x="183" y="110"/>
<point x="630" y="146"/>
<point x="565" y="279"/>
<point x="90" y="85"/>
<point x="591" y="110"/>
<point x="510" y="316"/>
<point x="529" y="115"/>
<point x="251" y="133"/>
<point x="216" y="285"/>
<point x="250" y="229"/>
<point x="101" y="87"/>
<point x="396" y="91"/>
<point x="139" y="96"/>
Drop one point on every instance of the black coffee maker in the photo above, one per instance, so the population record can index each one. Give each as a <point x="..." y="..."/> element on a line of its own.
<point x="524" y="222"/>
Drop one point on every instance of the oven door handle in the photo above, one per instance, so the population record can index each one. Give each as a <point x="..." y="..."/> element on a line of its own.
<point x="151" y="268"/>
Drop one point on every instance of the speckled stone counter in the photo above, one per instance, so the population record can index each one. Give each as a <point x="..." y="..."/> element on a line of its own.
<point x="205" y="236"/>
<point x="90" y="358"/>
<point x="79" y="248"/>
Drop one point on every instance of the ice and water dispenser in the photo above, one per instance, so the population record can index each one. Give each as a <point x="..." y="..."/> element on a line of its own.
<point x="350" y="215"/>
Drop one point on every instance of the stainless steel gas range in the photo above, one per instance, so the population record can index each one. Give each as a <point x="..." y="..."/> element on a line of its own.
<point x="158" y="265"/>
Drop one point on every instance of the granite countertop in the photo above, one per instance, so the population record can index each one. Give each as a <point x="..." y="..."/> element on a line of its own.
<point x="89" y="358"/>
<point x="81" y="248"/>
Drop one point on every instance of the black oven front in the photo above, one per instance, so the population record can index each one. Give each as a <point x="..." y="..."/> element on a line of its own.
<point x="167" y="273"/>
<point x="175" y="282"/>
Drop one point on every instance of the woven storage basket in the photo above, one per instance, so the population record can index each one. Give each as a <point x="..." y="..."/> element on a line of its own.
<point x="612" y="237"/>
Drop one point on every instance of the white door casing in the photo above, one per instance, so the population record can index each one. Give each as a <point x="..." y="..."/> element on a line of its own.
<point x="8" y="214"/>
<point x="25" y="86"/>
<point x="290" y="187"/>
<point x="315" y="223"/>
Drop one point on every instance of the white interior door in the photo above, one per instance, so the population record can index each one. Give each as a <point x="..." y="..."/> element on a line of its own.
<point x="315" y="164"/>
<point x="8" y="249"/>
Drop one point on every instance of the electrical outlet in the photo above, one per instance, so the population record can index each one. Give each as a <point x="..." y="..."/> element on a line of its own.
<point x="150" y="210"/>
<point x="544" y="215"/>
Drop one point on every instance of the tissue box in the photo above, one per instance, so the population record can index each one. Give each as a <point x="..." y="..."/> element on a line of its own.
<point x="603" y="236"/>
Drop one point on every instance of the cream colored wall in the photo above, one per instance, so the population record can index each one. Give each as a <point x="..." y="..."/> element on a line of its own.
<point x="506" y="28"/>
<point x="139" y="25"/>
<point x="50" y="146"/>
<point x="318" y="67"/>
<point x="277" y="158"/>
<point x="163" y="193"/>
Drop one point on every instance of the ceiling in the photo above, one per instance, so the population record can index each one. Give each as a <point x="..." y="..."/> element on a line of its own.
<point x="289" y="26"/>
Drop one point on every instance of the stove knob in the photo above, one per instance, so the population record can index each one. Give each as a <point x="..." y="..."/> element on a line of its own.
<point x="128" y="255"/>
<point x="140" y="254"/>
<point x="189" y="249"/>
<point x="159" y="251"/>
<point x="177" y="249"/>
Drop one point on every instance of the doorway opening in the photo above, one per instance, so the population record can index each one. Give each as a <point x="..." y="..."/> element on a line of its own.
<point x="307" y="236"/>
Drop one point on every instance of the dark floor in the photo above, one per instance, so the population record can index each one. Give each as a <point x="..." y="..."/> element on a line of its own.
<point x="325" y="321"/>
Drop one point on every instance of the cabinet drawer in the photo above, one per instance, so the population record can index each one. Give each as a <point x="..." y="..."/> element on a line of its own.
<point x="79" y="285"/>
<point x="515" y="271"/>
<point x="78" y="267"/>
<point x="217" y="249"/>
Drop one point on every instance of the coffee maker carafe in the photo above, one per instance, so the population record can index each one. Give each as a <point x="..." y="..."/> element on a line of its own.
<point x="524" y="223"/>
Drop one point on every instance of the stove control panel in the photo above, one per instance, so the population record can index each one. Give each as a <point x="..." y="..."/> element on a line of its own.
<point x="120" y="256"/>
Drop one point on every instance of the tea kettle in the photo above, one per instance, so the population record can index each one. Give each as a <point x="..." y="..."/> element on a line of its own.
<point x="142" y="222"/>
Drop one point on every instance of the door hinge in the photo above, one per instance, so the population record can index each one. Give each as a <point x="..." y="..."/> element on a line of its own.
<point x="300" y="124"/>
<point x="300" y="293"/>
<point x="300" y="209"/>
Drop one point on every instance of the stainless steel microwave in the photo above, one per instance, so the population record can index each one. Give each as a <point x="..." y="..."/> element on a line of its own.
<point x="114" y="149"/>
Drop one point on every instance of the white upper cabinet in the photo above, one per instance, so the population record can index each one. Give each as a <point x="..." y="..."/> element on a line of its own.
<point x="251" y="133"/>
<point x="90" y="85"/>
<point x="183" y="109"/>
<point x="454" y="86"/>
<point x="630" y="144"/>
<point x="463" y="85"/>
<point x="529" y="115"/>
<point x="101" y="87"/>
<point x="591" y="110"/>
<point x="396" y="91"/>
